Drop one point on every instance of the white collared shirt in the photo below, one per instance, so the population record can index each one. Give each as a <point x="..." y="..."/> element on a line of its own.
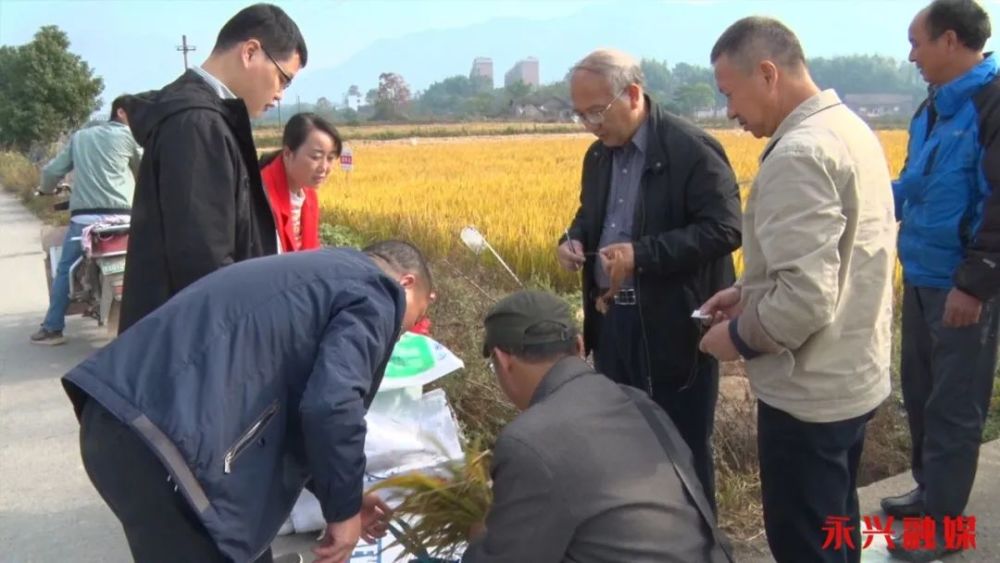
<point x="221" y="89"/>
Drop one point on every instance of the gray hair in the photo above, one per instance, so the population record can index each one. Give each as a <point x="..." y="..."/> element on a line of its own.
<point x="755" y="39"/>
<point x="619" y="68"/>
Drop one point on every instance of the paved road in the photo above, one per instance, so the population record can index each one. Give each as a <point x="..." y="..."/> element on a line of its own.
<point x="48" y="509"/>
<point x="984" y="505"/>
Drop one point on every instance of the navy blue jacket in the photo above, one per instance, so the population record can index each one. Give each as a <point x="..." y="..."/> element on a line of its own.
<point x="252" y="380"/>
<point x="948" y="195"/>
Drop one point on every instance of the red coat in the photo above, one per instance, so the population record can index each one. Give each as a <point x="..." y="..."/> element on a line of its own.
<point x="276" y="183"/>
<point x="423" y="326"/>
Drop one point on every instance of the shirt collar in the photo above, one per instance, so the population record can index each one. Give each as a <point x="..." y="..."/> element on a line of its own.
<point x="817" y="103"/>
<point x="563" y="371"/>
<point x="948" y="98"/>
<point x="224" y="92"/>
<point x="641" y="134"/>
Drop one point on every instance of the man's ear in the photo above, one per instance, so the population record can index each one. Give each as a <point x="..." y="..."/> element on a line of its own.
<point x="950" y="39"/>
<point x="635" y="96"/>
<point x="502" y="359"/>
<point x="769" y="72"/>
<point x="248" y="49"/>
<point x="408" y="281"/>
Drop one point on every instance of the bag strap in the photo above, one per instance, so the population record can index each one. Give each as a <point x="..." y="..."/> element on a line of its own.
<point x="656" y="424"/>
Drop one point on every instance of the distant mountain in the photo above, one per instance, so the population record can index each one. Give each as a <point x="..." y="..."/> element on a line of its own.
<point x="674" y="31"/>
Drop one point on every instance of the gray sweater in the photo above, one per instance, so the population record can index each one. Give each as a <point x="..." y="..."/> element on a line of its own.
<point x="580" y="476"/>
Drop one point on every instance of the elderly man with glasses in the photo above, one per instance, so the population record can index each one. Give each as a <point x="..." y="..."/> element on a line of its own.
<point x="199" y="201"/>
<point x="658" y="219"/>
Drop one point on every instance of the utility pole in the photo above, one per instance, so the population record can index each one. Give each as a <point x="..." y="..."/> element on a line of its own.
<point x="185" y="48"/>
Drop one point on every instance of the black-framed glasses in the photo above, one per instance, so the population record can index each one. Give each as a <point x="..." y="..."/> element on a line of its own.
<point x="286" y="79"/>
<point x="597" y="117"/>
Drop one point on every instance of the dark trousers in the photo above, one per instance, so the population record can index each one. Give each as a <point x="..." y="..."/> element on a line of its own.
<point x="158" y="523"/>
<point x="947" y="380"/>
<point x="808" y="474"/>
<point x="621" y="355"/>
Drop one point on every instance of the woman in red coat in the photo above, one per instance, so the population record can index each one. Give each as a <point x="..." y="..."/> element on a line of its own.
<point x="310" y="149"/>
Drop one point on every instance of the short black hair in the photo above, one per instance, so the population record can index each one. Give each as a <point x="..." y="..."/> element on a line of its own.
<point x="966" y="18"/>
<point x="124" y="102"/>
<point x="297" y="131"/>
<point x="756" y="38"/>
<point x="404" y="258"/>
<point x="278" y="34"/>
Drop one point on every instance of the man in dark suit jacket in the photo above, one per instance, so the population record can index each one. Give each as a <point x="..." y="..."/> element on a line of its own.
<point x="659" y="202"/>
<point x="589" y="471"/>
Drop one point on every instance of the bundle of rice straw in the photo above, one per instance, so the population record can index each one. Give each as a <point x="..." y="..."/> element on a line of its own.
<point x="443" y="507"/>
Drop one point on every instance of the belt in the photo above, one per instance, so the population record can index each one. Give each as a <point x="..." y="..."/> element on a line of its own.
<point x="624" y="297"/>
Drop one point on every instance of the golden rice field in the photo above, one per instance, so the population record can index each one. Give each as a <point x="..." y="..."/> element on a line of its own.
<point x="270" y="137"/>
<point x="520" y="192"/>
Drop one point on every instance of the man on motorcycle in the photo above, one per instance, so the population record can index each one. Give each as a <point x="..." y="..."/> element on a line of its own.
<point x="105" y="160"/>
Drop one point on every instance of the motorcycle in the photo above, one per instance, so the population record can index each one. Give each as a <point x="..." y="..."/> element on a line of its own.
<point x="96" y="278"/>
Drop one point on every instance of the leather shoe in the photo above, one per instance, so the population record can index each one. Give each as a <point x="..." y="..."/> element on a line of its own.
<point x="905" y="506"/>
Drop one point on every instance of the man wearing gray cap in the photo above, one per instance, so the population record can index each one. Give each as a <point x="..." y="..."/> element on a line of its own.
<point x="590" y="470"/>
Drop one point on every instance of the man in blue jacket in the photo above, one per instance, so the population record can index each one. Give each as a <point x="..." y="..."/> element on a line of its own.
<point x="201" y="424"/>
<point x="948" y="199"/>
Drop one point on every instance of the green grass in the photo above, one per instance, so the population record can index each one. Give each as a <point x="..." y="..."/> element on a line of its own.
<point x="19" y="176"/>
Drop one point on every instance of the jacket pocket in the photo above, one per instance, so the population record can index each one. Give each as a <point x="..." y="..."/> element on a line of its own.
<point x="248" y="437"/>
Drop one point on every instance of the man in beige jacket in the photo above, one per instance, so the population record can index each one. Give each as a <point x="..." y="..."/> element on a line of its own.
<point x="813" y="311"/>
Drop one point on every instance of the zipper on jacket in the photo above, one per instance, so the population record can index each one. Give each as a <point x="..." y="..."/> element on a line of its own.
<point x="929" y="164"/>
<point x="641" y="205"/>
<point x="248" y="437"/>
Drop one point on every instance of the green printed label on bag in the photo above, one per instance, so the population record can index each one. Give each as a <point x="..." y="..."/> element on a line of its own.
<point x="412" y="356"/>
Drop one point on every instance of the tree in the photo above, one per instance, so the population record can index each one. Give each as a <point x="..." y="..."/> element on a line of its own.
<point x="482" y="84"/>
<point x="659" y="81"/>
<point x="371" y="97"/>
<point x="447" y="97"/>
<point x="866" y="74"/>
<point x="517" y="90"/>
<point x="324" y="107"/>
<point x="354" y="91"/>
<point x="392" y="97"/>
<point x="348" y="115"/>
<point x="45" y="90"/>
<point x="690" y="98"/>
<point x="554" y="90"/>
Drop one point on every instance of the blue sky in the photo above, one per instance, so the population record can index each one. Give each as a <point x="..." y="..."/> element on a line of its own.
<point x="132" y="43"/>
<point x="101" y="30"/>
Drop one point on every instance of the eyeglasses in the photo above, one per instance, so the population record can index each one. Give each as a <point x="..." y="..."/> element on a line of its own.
<point x="596" y="117"/>
<point x="286" y="79"/>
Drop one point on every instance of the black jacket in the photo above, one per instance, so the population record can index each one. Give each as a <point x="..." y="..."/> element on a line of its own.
<point x="687" y="223"/>
<point x="197" y="205"/>
<point x="252" y="380"/>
